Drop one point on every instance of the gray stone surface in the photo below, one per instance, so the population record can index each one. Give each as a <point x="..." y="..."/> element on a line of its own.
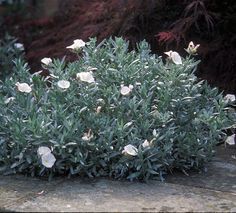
<point x="17" y="189"/>
<point x="220" y="174"/>
<point x="211" y="191"/>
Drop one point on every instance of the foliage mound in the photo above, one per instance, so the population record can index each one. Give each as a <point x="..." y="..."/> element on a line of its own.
<point x="113" y="112"/>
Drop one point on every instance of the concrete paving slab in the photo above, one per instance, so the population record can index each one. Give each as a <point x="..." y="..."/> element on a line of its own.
<point x="220" y="174"/>
<point x="212" y="191"/>
<point x="16" y="189"/>
<point x="117" y="196"/>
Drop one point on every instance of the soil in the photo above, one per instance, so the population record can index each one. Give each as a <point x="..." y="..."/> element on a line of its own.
<point x="134" y="20"/>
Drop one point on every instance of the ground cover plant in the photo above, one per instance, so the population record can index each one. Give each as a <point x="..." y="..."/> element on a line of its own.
<point x="113" y="112"/>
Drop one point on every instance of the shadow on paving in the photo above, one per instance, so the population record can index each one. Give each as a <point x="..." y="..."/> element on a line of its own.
<point x="214" y="190"/>
<point x="220" y="173"/>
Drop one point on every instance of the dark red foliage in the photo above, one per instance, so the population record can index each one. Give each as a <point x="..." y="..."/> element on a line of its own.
<point x="195" y="15"/>
<point x="164" y="24"/>
<point x="168" y="36"/>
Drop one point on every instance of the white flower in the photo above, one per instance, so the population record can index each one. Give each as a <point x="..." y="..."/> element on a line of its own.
<point x="126" y="90"/>
<point x="77" y="44"/>
<point x="229" y="97"/>
<point x="8" y="100"/>
<point x="130" y="150"/>
<point x="23" y="87"/>
<point x="19" y="46"/>
<point x="48" y="160"/>
<point x="87" y="136"/>
<point x="98" y="110"/>
<point x="46" y="61"/>
<point x="131" y="86"/>
<point x="154" y="133"/>
<point x="43" y="150"/>
<point x="86" y="77"/>
<point x="145" y="144"/>
<point x="174" y="56"/>
<point x="230" y="140"/>
<point x="192" y="49"/>
<point x="63" y="84"/>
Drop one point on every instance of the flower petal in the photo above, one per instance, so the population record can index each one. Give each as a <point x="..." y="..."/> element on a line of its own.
<point x="19" y="46"/>
<point x="145" y="144"/>
<point x="230" y="140"/>
<point x="191" y="44"/>
<point x="125" y="90"/>
<point x="154" y="133"/>
<point x="42" y="150"/>
<point x="86" y="77"/>
<point x="130" y="150"/>
<point x="192" y="49"/>
<point x="48" y="160"/>
<point x="46" y="61"/>
<point x="168" y="53"/>
<point x="98" y="110"/>
<point x="63" y="84"/>
<point x="229" y="98"/>
<point x="77" y="44"/>
<point x="176" y="58"/>
<point x="8" y="100"/>
<point x="23" y="87"/>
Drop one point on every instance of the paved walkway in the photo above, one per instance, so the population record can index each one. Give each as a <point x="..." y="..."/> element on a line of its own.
<point x="214" y="190"/>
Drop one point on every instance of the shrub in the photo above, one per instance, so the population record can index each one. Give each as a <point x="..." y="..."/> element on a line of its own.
<point x="113" y="112"/>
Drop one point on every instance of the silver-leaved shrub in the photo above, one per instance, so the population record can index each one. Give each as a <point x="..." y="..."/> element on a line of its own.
<point x="113" y="112"/>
